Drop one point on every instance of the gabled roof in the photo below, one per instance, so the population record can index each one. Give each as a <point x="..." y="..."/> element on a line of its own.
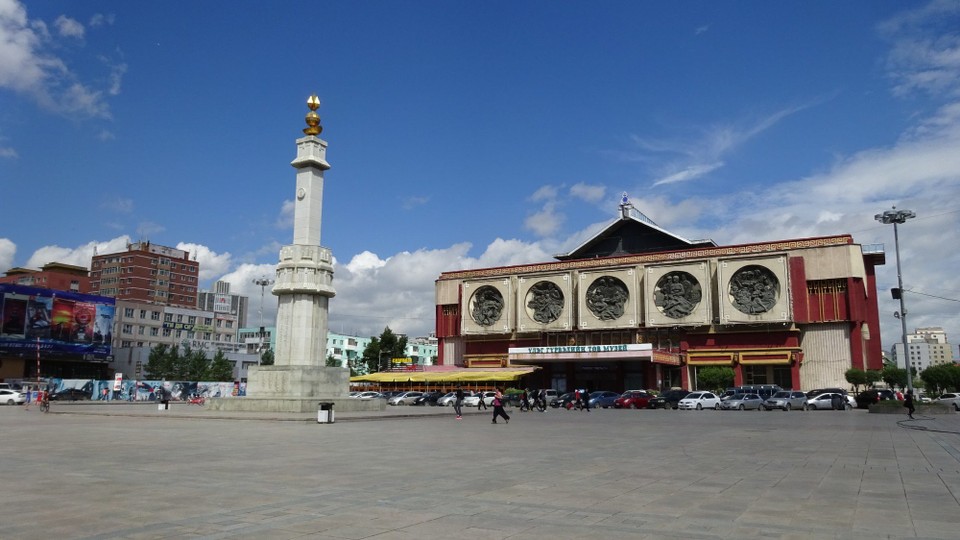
<point x="630" y="234"/>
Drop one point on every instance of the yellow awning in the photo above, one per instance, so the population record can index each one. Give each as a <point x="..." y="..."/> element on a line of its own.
<point x="442" y="376"/>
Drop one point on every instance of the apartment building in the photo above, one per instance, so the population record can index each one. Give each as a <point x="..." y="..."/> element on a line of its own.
<point x="146" y="273"/>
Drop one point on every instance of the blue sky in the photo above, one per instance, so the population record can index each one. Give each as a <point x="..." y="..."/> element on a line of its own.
<point x="474" y="134"/>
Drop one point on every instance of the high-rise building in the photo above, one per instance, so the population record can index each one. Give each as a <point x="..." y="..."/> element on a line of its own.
<point x="926" y="347"/>
<point x="225" y="306"/>
<point x="54" y="275"/>
<point x="147" y="273"/>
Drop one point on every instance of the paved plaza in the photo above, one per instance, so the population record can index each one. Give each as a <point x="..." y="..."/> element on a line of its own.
<point x="130" y="471"/>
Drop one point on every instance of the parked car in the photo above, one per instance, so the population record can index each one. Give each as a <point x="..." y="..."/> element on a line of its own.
<point x="825" y="401"/>
<point x="369" y="395"/>
<point x="474" y="400"/>
<point x="70" y="394"/>
<point x="869" y="397"/>
<point x="950" y="398"/>
<point x="743" y="402"/>
<point x="633" y="399"/>
<point x="549" y="395"/>
<point x="763" y="390"/>
<point x="562" y="401"/>
<point x="667" y="400"/>
<point x="428" y="398"/>
<point x="603" y="399"/>
<point x="785" y="400"/>
<point x="405" y="398"/>
<point x="818" y="391"/>
<point x="449" y="398"/>
<point x="698" y="401"/>
<point x="12" y="397"/>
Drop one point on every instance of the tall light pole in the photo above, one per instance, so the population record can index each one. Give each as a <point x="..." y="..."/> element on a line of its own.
<point x="899" y="217"/>
<point x="263" y="283"/>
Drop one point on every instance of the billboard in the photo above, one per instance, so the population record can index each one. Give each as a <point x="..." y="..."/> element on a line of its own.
<point x="61" y="322"/>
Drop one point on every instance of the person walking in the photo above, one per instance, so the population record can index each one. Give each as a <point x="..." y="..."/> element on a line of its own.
<point x="585" y="396"/>
<point x="481" y="403"/>
<point x="26" y="405"/>
<point x="498" y="407"/>
<point x="524" y="404"/>
<point x="457" y="402"/>
<point x="908" y="403"/>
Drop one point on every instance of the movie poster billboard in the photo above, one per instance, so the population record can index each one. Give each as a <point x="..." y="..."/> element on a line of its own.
<point x="60" y="322"/>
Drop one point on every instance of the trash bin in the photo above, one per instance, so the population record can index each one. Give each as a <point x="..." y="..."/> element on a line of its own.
<point x="325" y="412"/>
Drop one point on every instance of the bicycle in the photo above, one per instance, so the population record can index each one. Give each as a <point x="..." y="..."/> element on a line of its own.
<point x="45" y="403"/>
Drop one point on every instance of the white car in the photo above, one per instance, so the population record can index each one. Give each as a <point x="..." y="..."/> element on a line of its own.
<point x="405" y="398"/>
<point x="12" y="397"/>
<point x="450" y="397"/>
<point x="699" y="400"/>
<point x="825" y="402"/>
<point x="368" y="395"/>
<point x="952" y="399"/>
<point x="474" y="400"/>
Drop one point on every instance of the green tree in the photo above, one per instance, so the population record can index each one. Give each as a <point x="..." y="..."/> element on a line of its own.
<point x="161" y="364"/>
<point x="857" y="377"/>
<point x="872" y="377"/>
<point x="332" y="362"/>
<point x="219" y="369"/>
<point x="192" y="365"/>
<point x="715" y="378"/>
<point x="894" y="376"/>
<point x="941" y="378"/>
<point x="377" y="354"/>
<point x="266" y="358"/>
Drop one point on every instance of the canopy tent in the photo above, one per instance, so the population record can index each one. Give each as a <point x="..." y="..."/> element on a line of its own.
<point x="442" y="376"/>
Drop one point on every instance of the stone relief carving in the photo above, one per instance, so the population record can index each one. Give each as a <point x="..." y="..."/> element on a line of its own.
<point x="544" y="302"/>
<point x="677" y="294"/>
<point x="486" y="305"/>
<point x="754" y="289"/>
<point x="606" y="297"/>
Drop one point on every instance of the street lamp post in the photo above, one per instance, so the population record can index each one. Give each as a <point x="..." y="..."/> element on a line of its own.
<point x="899" y="217"/>
<point x="263" y="283"/>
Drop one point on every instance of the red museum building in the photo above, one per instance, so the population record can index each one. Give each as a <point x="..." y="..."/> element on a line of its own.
<point x="639" y="307"/>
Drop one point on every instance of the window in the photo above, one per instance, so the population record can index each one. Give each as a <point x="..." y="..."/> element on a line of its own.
<point x="128" y="329"/>
<point x="208" y="320"/>
<point x="128" y="312"/>
<point x="192" y="319"/>
<point x="166" y="332"/>
<point x="155" y="315"/>
<point x="179" y="318"/>
<point x="143" y="314"/>
<point x="229" y="324"/>
<point x="142" y="330"/>
<point x="154" y="331"/>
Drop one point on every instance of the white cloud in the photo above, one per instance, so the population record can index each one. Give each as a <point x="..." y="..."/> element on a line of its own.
<point x="544" y="193"/>
<point x="121" y="205"/>
<point x="285" y="218"/>
<point x="212" y="264"/>
<point x="101" y="19"/>
<point x="7" y="252"/>
<point x="587" y="192"/>
<point x="28" y="65"/>
<point x="241" y="282"/>
<point x="9" y="153"/>
<point x="412" y="202"/>
<point x="689" y="173"/>
<point x="79" y="256"/>
<point x="546" y="221"/>
<point x="68" y="27"/>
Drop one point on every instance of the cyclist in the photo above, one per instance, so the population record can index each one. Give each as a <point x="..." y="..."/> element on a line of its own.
<point x="43" y="398"/>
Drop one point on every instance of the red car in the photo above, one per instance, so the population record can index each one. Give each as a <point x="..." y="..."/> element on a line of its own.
<point x="633" y="399"/>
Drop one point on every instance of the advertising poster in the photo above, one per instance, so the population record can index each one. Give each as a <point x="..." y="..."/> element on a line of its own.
<point x="15" y="315"/>
<point x="56" y="322"/>
<point x="38" y="317"/>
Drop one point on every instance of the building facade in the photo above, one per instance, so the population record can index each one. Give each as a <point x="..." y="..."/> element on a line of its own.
<point x="639" y="307"/>
<point x="225" y="306"/>
<point x="55" y="275"/>
<point x="141" y="324"/>
<point x="927" y="347"/>
<point x="147" y="273"/>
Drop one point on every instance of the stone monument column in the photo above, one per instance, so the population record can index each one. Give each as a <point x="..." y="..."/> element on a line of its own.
<point x="299" y="378"/>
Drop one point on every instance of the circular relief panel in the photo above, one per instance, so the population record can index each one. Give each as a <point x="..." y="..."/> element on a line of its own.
<point x="677" y="294"/>
<point x="606" y="297"/>
<point x="486" y="305"/>
<point x="544" y="302"/>
<point x="754" y="289"/>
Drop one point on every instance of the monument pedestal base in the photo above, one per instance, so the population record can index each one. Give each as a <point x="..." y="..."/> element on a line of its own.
<point x="296" y="389"/>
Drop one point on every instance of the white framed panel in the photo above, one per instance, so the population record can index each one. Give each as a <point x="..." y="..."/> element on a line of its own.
<point x="608" y="299"/>
<point x="753" y="290"/>
<point x="487" y="307"/>
<point x="678" y="294"/>
<point x="544" y="302"/>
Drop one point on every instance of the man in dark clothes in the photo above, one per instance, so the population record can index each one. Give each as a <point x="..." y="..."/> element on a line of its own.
<point x="908" y="403"/>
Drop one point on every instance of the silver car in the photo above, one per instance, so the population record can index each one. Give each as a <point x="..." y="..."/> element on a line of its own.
<point x="825" y="402"/>
<point x="952" y="399"/>
<point x="785" y="400"/>
<point x="742" y="402"/>
<point x="405" y="398"/>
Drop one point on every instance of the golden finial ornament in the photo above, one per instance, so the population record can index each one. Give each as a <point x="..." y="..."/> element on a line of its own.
<point x="313" y="119"/>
